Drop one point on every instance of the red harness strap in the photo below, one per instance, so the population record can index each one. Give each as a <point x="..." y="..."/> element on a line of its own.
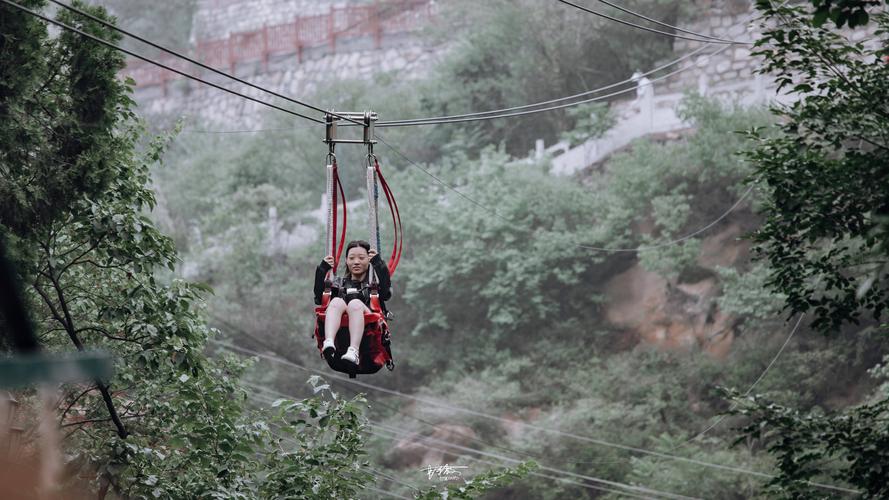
<point x="398" y="241"/>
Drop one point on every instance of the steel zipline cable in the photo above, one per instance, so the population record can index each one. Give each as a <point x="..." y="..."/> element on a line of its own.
<point x="474" y="118"/>
<point x="454" y="119"/>
<point x="184" y="57"/>
<point x="652" y="30"/>
<point x="156" y="63"/>
<point x="467" y="117"/>
<point x="380" y="431"/>
<point x="670" y="26"/>
<point x="392" y="123"/>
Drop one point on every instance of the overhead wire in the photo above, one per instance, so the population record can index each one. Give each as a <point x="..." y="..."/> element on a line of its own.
<point x="749" y="390"/>
<point x="645" y="28"/>
<point x="393" y="436"/>
<point x="514" y="111"/>
<point x="493" y="212"/>
<point x="551" y="101"/>
<point x="500" y="112"/>
<point x="414" y="417"/>
<point x="570" y="435"/>
<point x="374" y="472"/>
<point x="494" y="114"/>
<point x="541" y="110"/>
<point x="195" y="61"/>
<point x="379" y="432"/>
<point x="156" y="63"/>
<point x="599" y="481"/>
<point x="670" y="26"/>
<point x="408" y="415"/>
<point x="389" y="494"/>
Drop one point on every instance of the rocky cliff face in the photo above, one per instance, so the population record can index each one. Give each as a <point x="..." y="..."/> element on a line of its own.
<point x="679" y="315"/>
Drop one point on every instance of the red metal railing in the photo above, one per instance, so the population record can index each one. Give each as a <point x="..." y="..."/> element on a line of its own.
<point x="377" y="20"/>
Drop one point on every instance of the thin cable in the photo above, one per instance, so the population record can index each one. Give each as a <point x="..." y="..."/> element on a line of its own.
<point x="196" y="62"/>
<point x="666" y="25"/>
<point x="379" y="474"/>
<point x="652" y="30"/>
<point x="552" y="101"/>
<point x="550" y="108"/>
<point x="606" y="482"/>
<point x="392" y="495"/>
<point x="392" y="478"/>
<point x="570" y="435"/>
<point x="499" y="112"/>
<point x="680" y="239"/>
<point x="248" y="131"/>
<point x="393" y="436"/>
<point x="749" y="390"/>
<point x="446" y="118"/>
<point x="414" y="417"/>
<point x="580" y="245"/>
<point x="374" y="472"/>
<point x="149" y="60"/>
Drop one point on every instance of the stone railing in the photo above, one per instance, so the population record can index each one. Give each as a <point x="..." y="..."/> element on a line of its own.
<point x="647" y="114"/>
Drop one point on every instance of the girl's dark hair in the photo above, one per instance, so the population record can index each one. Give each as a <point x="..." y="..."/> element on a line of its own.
<point x="357" y="243"/>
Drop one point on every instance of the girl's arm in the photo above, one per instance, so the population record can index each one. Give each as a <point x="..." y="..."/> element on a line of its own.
<point x="320" y="274"/>
<point x="382" y="271"/>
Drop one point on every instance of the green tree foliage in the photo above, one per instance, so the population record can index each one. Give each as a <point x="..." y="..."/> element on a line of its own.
<point x="841" y="12"/>
<point x="825" y="233"/>
<point x="486" y="275"/>
<point x="480" y="484"/>
<point x="826" y="173"/>
<point x="591" y="121"/>
<point x="850" y="447"/>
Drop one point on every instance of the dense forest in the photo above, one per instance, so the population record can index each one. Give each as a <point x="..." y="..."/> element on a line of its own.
<point x="698" y="315"/>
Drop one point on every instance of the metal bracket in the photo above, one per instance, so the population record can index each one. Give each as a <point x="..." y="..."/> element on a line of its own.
<point x="368" y="119"/>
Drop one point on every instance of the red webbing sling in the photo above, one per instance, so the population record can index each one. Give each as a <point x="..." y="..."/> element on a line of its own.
<point x="398" y="240"/>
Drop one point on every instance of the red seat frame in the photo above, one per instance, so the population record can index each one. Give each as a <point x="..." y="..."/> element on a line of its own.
<point x="374" y="351"/>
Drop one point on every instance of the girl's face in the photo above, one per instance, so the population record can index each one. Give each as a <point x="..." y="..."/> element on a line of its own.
<point x="357" y="261"/>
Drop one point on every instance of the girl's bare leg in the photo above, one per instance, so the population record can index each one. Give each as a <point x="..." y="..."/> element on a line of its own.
<point x="334" y="317"/>
<point x="356" y="310"/>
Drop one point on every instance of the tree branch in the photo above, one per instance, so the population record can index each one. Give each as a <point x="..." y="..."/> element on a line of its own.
<point x="98" y="420"/>
<point x="72" y="334"/>
<point x="108" y="334"/>
<point x="73" y="402"/>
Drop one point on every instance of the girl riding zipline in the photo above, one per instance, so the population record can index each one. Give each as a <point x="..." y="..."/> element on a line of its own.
<point x="351" y="294"/>
<point x="357" y="298"/>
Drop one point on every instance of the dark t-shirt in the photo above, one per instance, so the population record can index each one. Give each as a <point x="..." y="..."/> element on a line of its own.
<point x="346" y="282"/>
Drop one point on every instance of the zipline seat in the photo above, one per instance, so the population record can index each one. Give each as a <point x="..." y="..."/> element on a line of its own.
<point x="375" y="349"/>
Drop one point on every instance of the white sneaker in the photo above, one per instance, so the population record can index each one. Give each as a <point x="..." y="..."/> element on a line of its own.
<point x="328" y="344"/>
<point x="351" y="355"/>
